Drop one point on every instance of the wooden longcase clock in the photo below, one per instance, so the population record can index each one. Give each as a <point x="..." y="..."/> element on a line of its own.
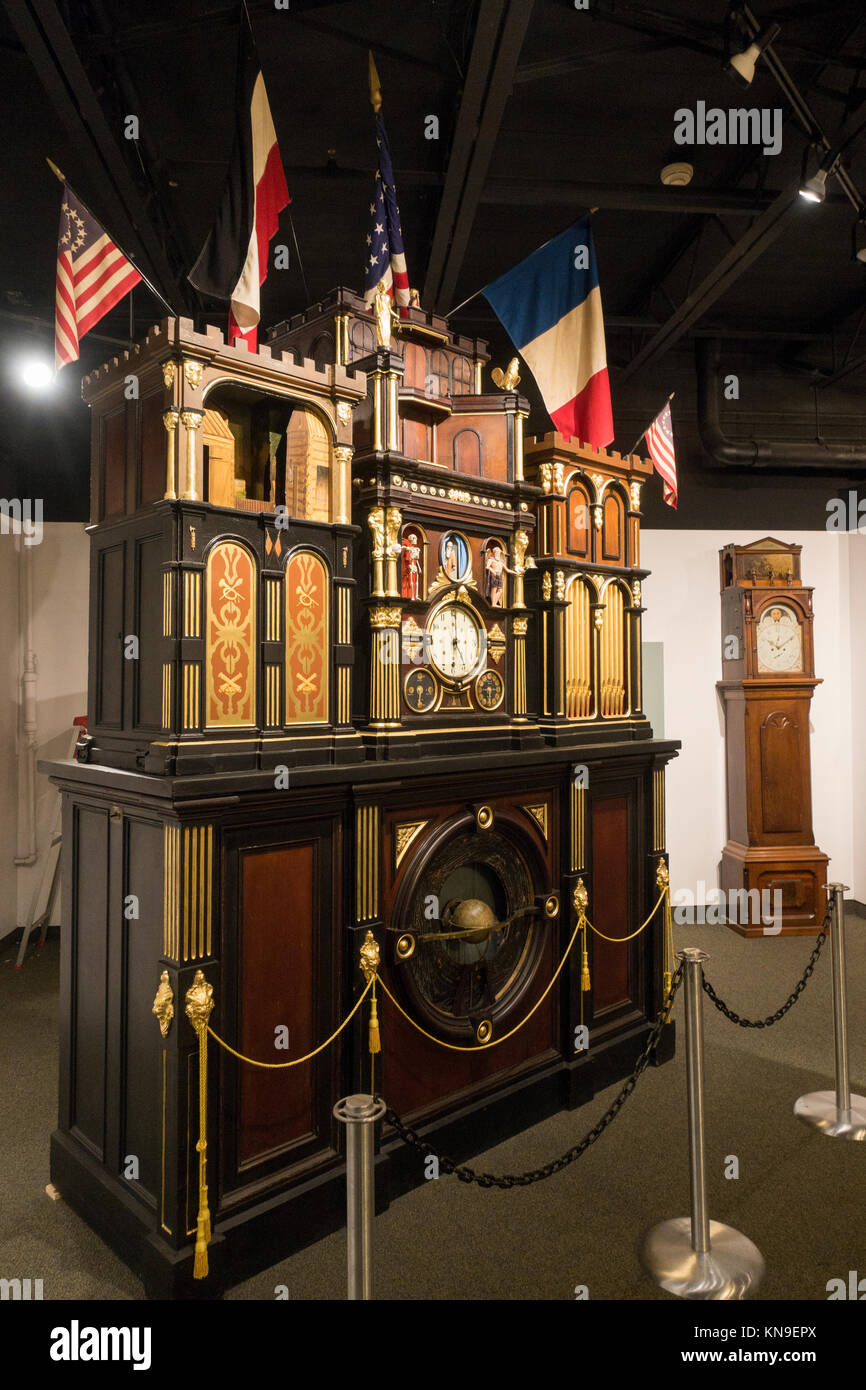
<point x="769" y="680"/>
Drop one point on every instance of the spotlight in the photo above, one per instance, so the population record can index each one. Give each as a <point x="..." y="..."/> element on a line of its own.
<point x="814" y="189"/>
<point x="35" y="373"/>
<point x="742" y="65"/>
<point x="858" y="240"/>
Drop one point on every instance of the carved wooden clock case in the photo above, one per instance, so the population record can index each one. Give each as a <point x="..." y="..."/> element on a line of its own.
<point x="387" y="680"/>
<point x="768" y="661"/>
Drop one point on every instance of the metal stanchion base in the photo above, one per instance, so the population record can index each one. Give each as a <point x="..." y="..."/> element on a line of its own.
<point x="729" y="1270"/>
<point x="819" y="1109"/>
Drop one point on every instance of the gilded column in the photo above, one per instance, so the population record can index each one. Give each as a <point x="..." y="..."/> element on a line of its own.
<point x="340" y="504"/>
<point x="385" y="665"/>
<point x="170" y="419"/>
<point x="191" y="422"/>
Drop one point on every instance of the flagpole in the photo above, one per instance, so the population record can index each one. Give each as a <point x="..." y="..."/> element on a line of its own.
<point x="655" y="417"/>
<point x="154" y="291"/>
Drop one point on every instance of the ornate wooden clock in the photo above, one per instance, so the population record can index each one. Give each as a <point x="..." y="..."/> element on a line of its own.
<point x="768" y="663"/>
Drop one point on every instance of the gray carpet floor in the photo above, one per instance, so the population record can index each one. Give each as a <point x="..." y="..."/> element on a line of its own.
<point x="799" y="1195"/>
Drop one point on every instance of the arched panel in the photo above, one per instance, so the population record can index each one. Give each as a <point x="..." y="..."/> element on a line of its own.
<point x="307" y="639"/>
<point x="415" y="366"/>
<point x="362" y="338"/>
<point x="612" y="530"/>
<point x="461" y="377"/>
<point x="579" y="701"/>
<point x="440" y="383"/>
<point x="230" y="648"/>
<point x="467" y="452"/>
<point x="578" y="521"/>
<point x="324" y="351"/>
<point x="308" y="466"/>
<point x="613" y="663"/>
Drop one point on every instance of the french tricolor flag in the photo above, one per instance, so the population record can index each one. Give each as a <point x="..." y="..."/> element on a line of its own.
<point x="550" y="304"/>
<point x="233" y="262"/>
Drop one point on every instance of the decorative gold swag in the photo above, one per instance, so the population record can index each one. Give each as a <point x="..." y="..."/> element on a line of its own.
<point x="200" y="1002"/>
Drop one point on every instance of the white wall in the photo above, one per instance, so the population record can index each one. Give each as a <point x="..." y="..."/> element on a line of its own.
<point x="59" y="568"/>
<point x="684" y="612"/>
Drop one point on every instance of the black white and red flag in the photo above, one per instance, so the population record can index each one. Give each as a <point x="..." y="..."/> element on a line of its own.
<point x="233" y="263"/>
<point x="92" y="275"/>
<point x="660" y="442"/>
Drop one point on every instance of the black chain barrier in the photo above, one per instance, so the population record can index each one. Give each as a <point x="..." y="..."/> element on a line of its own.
<point x="792" y="998"/>
<point x="447" y="1165"/>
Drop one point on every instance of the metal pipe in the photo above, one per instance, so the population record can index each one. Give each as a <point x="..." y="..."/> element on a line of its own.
<point x="359" y="1114"/>
<point x="764" y="456"/>
<point x="693" y="959"/>
<point x="840" y="1009"/>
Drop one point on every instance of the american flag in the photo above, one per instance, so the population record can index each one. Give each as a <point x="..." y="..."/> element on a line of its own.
<point x="92" y="275"/>
<point x="660" y="442"/>
<point x="385" y="256"/>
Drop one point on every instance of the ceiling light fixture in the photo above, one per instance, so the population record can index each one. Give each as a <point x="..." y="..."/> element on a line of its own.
<point x="741" y="66"/>
<point x="35" y="373"/>
<point x="677" y="175"/>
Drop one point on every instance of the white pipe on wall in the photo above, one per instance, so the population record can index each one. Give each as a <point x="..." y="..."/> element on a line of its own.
<point x="27" y="722"/>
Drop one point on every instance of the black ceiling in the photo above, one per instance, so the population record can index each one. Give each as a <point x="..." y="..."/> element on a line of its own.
<point x="544" y="110"/>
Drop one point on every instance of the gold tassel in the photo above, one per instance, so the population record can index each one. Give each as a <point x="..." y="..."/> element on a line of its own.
<point x="199" y="1002"/>
<point x="585" y="983"/>
<point x="375" y="1041"/>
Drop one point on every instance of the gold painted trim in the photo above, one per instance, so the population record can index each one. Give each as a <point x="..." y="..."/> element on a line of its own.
<point x="192" y="603"/>
<point x="404" y="835"/>
<point x="393" y="414"/>
<point x="658" y="808"/>
<point x="367" y="822"/>
<point x="167" y="603"/>
<point x="166" y="695"/>
<point x="162" y="1157"/>
<point x="273" y="609"/>
<point x="578" y="825"/>
<point x="191" y="696"/>
<point x="378" y="406"/>
<point x="538" y="812"/>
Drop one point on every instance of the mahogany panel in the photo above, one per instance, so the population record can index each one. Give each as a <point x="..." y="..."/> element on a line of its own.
<point x="609" y="905"/>
<point x="153" y="450"/>
<point x="578" y="521"/>
<point x="278" y="911"/>
<point x="611" y="535"/>
<point x="781" y="773"/>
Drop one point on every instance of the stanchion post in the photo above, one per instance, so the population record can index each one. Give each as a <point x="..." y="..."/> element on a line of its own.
<point x="690" y="1255"/>
<point x="359" y="1114"/>
<point x="837" y="1114"/>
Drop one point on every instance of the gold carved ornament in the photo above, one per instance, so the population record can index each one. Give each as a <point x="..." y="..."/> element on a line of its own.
<point x="193" y="371"/>
<point x="664" y="885"/>
<point x="370" y="968"/>
<point x="163" y="1004"/>
<point x="509" y="379"/>
<point x="580" y="901"/>
<point x="199" y="1003"/>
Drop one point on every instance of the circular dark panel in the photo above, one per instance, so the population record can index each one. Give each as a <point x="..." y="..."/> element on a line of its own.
<point x="470" y="961"/>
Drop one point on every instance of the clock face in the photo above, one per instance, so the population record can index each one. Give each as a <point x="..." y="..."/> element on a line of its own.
<point x="420" y="690"/>
<point x="455" y="641"/>
<point x="779" y="640"/>
<point x="489" y="689"/>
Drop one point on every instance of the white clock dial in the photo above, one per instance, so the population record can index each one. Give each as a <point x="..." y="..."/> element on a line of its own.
<point x="779" y="640"/>
<point x="455" y="642"/>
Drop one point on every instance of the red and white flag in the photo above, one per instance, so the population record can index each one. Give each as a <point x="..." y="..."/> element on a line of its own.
<point x="233" y="263"/>
<point x="92" y="275"/>
<point x="660" y="442"/>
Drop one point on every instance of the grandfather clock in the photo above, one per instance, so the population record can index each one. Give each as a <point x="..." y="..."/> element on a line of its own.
<point x="769" y="678"/>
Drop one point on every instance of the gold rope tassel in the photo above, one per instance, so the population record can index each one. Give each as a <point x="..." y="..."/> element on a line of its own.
<point x="580" y="899"/>
<point x="370" y="968"/>
<point x="374" y="1040"/>
<point x="663" y="883"/>
<point x="199" y="1002"/>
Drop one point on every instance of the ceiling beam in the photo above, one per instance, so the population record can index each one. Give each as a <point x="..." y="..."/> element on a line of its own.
<point x="745" y="250"/>
<point x="626" y="197"/>
<point x="118" y="201"/>
<point x="496" y="46"/>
